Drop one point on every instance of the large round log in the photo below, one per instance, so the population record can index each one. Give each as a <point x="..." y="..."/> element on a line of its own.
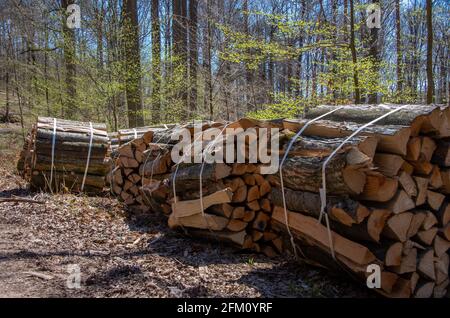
<point x="70" y="123"/>
<point x="392" y="138"/>
<point x="322" y="147"/>
<point x="188" y="177"/>
<point x="44" y="145"/>
<point x="47" y="134"/>
<point x="305" y="174"/>
<point x="427" y="118"/>
<point x="97" y="166"/>
<point x="66" y="181"/>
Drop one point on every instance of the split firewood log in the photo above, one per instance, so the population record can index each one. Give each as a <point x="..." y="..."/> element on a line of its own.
<point x="441" y="155"/>
<point x="424" y="289"/>
<point x="397" y="226"/>
<point x="309" y="229"/>
<point x="193" y="207"/>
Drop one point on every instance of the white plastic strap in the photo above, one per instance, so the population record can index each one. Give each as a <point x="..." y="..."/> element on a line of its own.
<point x="177" y="165"/>
<point x="323" y="190"/>
<point x="153" y="164"/>
<point x="88" y="156"/>
<point x="52" y="167"/>
<point x="210" y="146"/>
<point x="135" y="133"/>
<point x="291" y="143"/>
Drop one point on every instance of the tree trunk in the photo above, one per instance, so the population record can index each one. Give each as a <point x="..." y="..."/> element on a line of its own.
<point x="6" y="119"/>
<point x="46" y="77"/>
<point x="209" y="87"/>
<point x="354" y="57"/>
<point x="69" y="61"/>
<point x="430" y="81"/>
<point x="156" y="63"/>
<point x="249" y="100"/>
<point x="193" y="54"/>
<point x="180" y="36"/>
<point x="375" y="55"/>
<point x="399" y="49"/>
<point x="19" y="101"/>
<point x="299" y="69"/>
<point x="132" y="61"/>
<point x="100" y="17"/>
<point x="443" y="76"/>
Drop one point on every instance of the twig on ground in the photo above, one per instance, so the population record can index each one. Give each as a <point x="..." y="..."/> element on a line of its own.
<point x="39" y="275"/>
<point x="2" y="200"/>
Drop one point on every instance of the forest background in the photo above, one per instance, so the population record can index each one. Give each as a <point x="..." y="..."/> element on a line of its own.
<point x="131" y="63"/>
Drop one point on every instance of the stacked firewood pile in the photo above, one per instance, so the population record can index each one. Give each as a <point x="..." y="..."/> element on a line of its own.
<point x="386" y="199"/>
<point x="234" y="206"/>
<point x="126" y="177"/>
<point x="63" y="155"/>
<point x="148" y="156"/>
<point x="387" y="195"/>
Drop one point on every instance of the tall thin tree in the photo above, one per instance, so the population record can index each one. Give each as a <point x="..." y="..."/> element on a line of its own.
<point x="132" y="62"/>
<point x="430" y="80"/>
<point x="354" y="57"/>
<point x="69" y="43"/>
<point x="180" y="36"/>
<point x="399" y="49"/>
<point x="374" y="54"/>
<point x="193" y="21"/>
<point x="156" y="63"/>
<point x="208" y="62"/>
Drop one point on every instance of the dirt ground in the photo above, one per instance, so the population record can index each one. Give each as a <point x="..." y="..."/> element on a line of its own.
<point x="41" y="245"/>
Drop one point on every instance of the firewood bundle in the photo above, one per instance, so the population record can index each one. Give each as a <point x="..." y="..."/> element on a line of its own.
<point x="387" y="195"/>
<point x="127" y="174"/>
<point x="63" y="155"/>
<point x="386" y="192"/>
<point x="234" y="205"/>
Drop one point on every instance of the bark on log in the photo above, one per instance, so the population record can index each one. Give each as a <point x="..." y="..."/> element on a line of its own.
<point x="419" y="117"/>
<point x="305" y="174"/>
<point x="309" y="203"/>
<point x="189" y="177"/>
<point x="321" y="147"/>
<point x="44" y="134"/>
<point x="67" y="182"/>
<point x="75" y="165"/>
<point x="70" y="123"/>
<point x="392" y="138"/>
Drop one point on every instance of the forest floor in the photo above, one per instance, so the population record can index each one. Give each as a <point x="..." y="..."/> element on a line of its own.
<point x="122" y="256"/>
